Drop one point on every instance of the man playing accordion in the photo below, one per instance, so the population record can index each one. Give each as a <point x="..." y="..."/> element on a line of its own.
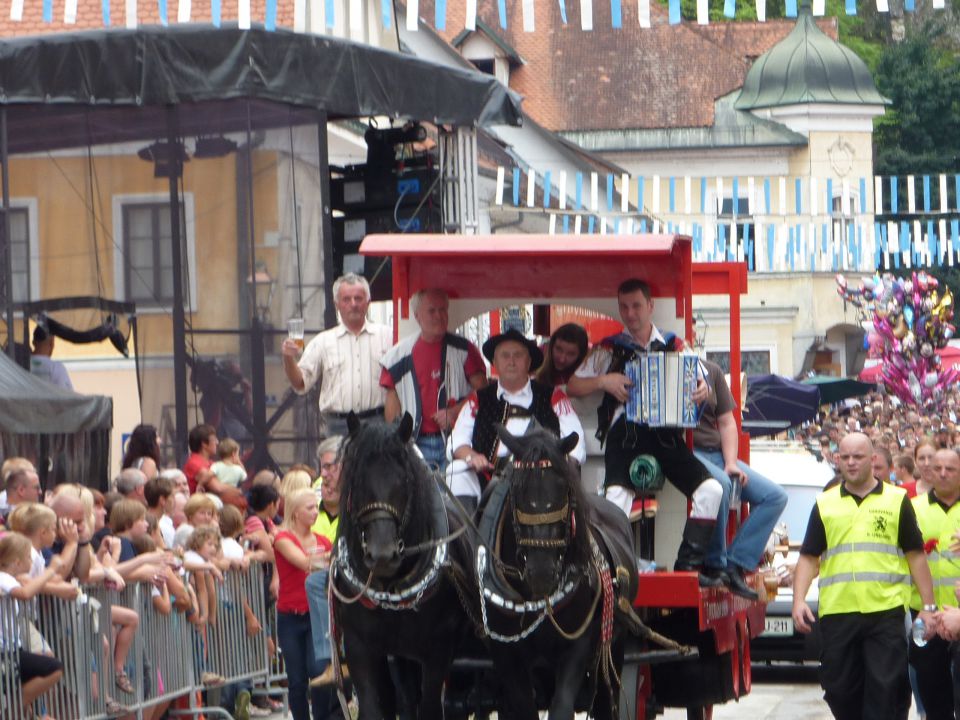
<point x="604" y="370"/>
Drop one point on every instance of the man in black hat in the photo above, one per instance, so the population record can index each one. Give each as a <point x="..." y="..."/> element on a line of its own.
<point x="514" y="400"/>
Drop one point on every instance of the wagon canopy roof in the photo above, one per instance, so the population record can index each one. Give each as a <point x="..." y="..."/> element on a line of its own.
<point x="103" y="86"/>
<point x="543" y="266"/>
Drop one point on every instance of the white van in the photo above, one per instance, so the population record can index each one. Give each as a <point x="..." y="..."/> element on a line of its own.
<point x="803" y="476"/>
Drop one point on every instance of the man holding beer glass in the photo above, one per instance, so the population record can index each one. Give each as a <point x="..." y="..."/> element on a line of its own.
<point x="344" y="360"/>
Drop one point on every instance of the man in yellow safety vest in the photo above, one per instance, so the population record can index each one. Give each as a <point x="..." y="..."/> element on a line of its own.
<point x="938" y="514"/>
<point x="863" y="540"/>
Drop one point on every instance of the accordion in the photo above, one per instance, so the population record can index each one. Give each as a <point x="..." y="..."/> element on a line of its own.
<point x="662" y="392"/>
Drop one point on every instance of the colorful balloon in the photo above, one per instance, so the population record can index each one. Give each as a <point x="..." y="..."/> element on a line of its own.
<point x="911" y="321"/>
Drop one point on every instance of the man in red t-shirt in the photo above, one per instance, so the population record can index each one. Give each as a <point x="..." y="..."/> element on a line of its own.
<point x="430" y="374"/>
<point x="202" y="441"/>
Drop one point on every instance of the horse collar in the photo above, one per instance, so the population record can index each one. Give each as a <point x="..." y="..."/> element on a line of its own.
<point x="406" y="598"/>
<point x="564" y="589"/>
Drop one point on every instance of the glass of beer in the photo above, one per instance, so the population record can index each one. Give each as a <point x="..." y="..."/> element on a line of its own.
<point x="295" y="331"/>
<point x="771" y="582"/>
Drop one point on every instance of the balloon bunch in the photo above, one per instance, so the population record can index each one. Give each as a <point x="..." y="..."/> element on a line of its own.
<point x="911" y="321"/>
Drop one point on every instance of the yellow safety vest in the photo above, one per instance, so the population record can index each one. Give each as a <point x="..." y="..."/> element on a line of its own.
<point x="935" y="524"/>
<point x="326" y="525"/>
<point x="863" y="569"/>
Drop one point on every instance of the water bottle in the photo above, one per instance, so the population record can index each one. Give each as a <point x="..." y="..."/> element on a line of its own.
<point x="646" y="566"/>
<point x="917" y="631"/>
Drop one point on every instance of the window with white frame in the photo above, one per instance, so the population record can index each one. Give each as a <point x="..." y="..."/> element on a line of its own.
<point x="20" y="246"/>
<point x="845" y="207"/>
<point x="738" y="212"/>
<point x="752" y="362"/>
<point x="143" y="267"/>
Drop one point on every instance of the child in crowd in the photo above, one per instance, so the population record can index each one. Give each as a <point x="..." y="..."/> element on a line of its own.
<point x="231" y="527"/>
<point x="38" y="673"/>
<point x="128" y="521"/>
<point x="199" y="510"/>
<point x="229" y="469"/>
<point x="199" y="559"/>
<point x="38" y="524"/>
<point x="260" y="531"/>
<point x="101" y="532"/>
<point x="159" y="495"/>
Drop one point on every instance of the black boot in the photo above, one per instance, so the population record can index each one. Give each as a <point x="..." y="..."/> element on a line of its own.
<point x="696" y="537"/>
<point x="737" y="585"/>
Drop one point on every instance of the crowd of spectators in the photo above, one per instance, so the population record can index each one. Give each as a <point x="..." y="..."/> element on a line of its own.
<point x="899" y="434"/>
<point x="179" y="530"/>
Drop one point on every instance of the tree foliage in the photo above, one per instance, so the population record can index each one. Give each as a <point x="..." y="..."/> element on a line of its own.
<point x="920" y="132"/>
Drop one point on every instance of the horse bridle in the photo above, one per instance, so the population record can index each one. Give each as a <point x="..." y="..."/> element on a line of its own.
<point x="523" y="519"/>
<point x="377" y="507"/>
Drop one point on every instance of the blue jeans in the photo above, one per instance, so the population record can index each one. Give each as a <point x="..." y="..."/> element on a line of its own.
<point x="767" y="500"/>
<point x="316" y="586"/>
<point x="434" y="451"/>
<point x="296" y="644"/>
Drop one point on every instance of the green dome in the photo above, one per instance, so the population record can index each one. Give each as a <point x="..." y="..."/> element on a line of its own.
<point x="805" y="67"/>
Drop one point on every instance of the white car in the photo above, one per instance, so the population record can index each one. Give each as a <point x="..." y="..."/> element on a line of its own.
<point x="803" y="476"/>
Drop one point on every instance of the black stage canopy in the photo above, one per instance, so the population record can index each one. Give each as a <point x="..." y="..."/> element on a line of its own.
<point x="112" y="82"/>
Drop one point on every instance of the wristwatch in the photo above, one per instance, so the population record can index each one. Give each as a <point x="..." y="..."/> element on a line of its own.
<point x="469" y="459"/>
<point x="929" y="608"/>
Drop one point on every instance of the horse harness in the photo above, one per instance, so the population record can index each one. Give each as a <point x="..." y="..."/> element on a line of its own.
<point x="567" y="585"/>
<point x="411" y="595"/>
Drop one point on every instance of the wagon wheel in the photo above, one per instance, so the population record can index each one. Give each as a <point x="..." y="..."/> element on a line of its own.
<point x="703" y="712"/>
<point x="746" y="672"/>
<point x="735" y="664"/>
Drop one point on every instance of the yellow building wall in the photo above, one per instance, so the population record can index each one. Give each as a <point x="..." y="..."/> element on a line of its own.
<point x="74" y="202"/>
<point x="73" y="197"/>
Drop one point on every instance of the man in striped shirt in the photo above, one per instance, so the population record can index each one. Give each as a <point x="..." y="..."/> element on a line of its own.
<point x="345" y="359"/>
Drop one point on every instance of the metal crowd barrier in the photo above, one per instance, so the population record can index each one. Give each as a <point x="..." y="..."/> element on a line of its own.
<point x="165" y="660"/>
<point x="11" y="632"/>
<point x="274" y="684"/>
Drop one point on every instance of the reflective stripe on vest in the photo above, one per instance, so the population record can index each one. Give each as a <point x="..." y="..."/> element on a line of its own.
<point x="861" y="547"/>
<point x="864" y="577"/>
<point x="935" y="524"/>
<point x="863" y="569"/>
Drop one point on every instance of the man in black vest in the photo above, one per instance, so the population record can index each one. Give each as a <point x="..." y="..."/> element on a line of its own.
<point x="603" y="370"/>
<point x="514" y="400"/>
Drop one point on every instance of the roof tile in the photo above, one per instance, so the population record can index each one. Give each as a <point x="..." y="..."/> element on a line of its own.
<point x="666" y="76"/>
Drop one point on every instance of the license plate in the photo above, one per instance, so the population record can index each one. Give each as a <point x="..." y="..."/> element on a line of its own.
<point x="777" y="626"/>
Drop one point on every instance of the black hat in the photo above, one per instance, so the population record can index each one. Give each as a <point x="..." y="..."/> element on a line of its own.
<point x="536" y="356"/>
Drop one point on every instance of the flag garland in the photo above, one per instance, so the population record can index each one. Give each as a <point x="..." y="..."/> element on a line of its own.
<point x="825" y="224"/>
<point x="440" y="19"/>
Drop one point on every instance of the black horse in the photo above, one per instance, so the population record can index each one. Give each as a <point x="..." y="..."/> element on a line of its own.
<point x="396" y="548"/>
<point x="551" y="570"/>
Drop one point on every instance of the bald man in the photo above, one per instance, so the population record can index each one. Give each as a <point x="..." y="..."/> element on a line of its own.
<point x="73" y="534"/>
<point x="863" y="540"/>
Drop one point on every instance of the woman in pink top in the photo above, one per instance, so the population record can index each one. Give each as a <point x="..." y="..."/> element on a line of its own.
<point x="297" y="551"/>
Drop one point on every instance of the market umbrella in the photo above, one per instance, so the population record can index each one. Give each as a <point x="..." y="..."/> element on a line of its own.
<point x="834" y="389"/>
<point x="775" y="403"/>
